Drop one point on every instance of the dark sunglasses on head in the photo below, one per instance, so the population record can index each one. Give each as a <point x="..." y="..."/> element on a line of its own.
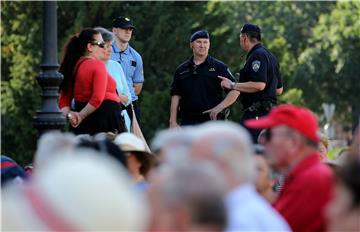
<point x="100" y="44"/>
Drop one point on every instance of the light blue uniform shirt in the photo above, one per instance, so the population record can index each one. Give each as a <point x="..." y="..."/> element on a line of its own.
<point x="116" y="72"/>
<point x="132" y="65"/>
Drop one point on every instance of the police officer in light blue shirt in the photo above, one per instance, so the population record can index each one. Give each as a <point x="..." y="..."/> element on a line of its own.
<point x="130" y="60"/>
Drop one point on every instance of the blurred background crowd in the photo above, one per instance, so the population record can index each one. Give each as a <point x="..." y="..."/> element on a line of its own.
<point x="209" y="177"/>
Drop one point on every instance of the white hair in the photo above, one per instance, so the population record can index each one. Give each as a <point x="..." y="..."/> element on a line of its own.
<point x="174" y="144"/>
<point x="51" y="144"/>
<point x="199" y="188"/>
<point x="229" y="143"/>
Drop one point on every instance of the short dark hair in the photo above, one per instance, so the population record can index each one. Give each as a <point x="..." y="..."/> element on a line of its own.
<point x="254" y="36"/>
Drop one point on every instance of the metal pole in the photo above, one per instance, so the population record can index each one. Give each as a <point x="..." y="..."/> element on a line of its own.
<point x="49" y="116"/>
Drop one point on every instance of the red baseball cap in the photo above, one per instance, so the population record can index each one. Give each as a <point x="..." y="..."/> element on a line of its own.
<point x="298" y="118"/>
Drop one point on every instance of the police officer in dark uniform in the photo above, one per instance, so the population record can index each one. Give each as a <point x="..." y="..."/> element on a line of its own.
<point x="196" y="93"/>
<point x="260" y="80"/>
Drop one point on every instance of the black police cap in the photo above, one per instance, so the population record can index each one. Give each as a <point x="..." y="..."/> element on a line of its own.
<point x="123" y="22"/>
<point x="248" y="27"/>
<point x="199" y="35"/>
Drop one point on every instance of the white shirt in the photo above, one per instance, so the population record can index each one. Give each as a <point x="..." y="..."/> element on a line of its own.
<point x="248" y="211"/>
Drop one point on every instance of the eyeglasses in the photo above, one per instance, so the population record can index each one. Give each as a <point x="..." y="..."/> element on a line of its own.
<point x="100" y="44"/>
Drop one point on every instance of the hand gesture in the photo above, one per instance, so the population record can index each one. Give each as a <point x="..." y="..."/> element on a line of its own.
<point x="213" y="112"/>
<point x="225" y="83"/>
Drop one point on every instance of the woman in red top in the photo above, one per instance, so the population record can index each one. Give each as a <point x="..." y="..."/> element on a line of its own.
<point x="86" y="80"/>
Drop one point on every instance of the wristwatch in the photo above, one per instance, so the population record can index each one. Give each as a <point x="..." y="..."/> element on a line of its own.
<point x="232" y="85"/>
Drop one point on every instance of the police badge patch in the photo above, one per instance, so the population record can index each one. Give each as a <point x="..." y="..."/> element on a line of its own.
<point x="255" y="65"/>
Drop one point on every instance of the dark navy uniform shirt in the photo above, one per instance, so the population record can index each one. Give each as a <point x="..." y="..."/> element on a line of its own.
<point x="199" y="86"/>
<point x="260" y="66"/>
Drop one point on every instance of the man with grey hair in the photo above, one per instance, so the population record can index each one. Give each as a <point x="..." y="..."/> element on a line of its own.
<point x="188" y="198"/>
<point x="228" y="145"/>
<point x="172" y="146"/>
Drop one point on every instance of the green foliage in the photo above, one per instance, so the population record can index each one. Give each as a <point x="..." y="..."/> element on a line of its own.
<point x="330" y="66"/>
<point x="20" y="56"/>
<point x="317" y="44"/>
<point x="293" y="96"/>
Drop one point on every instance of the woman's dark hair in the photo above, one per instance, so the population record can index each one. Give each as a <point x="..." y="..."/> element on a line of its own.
<point x="105" y="146"/>
<point x="73" y="50"/>
<point x="146" y="162"/>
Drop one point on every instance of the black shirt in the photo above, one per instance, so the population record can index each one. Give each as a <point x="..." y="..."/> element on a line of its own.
<point x="198" y="85"/>
<point x="261" y="66"/>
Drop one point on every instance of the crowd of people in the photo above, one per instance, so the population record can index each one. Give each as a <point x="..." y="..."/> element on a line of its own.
<point x="269" y="172"/>
<point x="207" y="177"/>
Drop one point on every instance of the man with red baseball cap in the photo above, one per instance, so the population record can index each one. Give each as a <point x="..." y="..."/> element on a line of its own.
<point x="291" y="147"/>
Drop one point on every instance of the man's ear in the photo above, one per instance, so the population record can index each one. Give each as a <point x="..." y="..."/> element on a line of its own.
<point x="191" y="45"/>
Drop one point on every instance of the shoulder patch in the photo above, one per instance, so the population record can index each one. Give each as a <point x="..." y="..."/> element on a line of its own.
<point x="255" y="65"/>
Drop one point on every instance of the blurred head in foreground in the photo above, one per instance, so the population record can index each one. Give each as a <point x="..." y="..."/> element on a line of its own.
<point x="80" y="191"/>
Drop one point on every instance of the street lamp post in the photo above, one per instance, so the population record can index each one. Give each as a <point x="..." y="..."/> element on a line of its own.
<point x="49" y="116"/>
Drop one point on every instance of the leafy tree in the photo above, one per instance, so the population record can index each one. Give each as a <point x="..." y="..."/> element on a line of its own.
<point x="20" y="56"/>
<point x="329" y="67"/>
<point x="292" y="96"/>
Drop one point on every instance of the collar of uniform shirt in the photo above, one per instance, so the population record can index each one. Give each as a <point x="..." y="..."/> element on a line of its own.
<point x="253" y="49"/>
<point x="208" y="60"/>
<point x="117" y="50"/>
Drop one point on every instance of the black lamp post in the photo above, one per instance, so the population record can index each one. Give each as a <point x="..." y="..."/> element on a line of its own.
<point x="49" y="116"/>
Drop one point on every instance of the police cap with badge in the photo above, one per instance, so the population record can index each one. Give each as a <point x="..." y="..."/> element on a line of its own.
<point x="123" y="22"/>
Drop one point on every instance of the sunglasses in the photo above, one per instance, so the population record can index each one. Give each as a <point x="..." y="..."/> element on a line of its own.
<point x="267" y="135"/>
<point x="100" y="44"/>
